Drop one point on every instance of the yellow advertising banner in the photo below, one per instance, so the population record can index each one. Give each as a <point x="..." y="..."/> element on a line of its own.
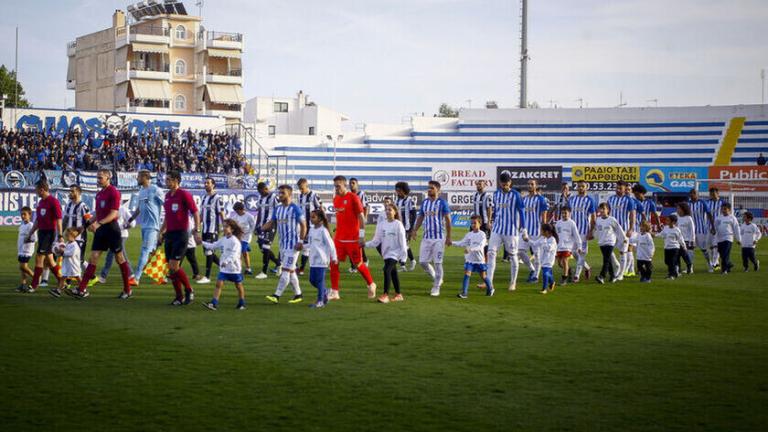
<point x="600" y="177"/>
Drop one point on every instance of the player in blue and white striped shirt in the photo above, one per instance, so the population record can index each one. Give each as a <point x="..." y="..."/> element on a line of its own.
<point x="435" y="216"/>
<point x="703" y="221"/>
<point x="292" y="229"/>
<point x="715" y="206"/>
<point x="536" y="208"/>
<point x="644" y="210"/>
<point x="623" y="208"/>
<point x="309" y="202"/>
<point x="508" y="222"/>
<point x="583" y="213"/>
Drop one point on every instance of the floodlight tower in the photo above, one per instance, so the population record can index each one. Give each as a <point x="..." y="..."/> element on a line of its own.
<point x="524" y="54"/>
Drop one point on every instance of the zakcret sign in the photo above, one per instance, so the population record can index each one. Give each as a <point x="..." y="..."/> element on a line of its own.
<point x="548" y="178"/>
<point x="599" y="178"/>
<point x="673" y="179"/>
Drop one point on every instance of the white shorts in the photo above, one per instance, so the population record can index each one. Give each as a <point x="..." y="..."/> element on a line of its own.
<point x="288" y="258"/>
<point x="510" y="244"/>
<point x="633" y="239"/>
<point x="432" y="250"/>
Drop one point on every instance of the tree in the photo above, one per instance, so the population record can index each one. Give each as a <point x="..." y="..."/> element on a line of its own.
<point x="446" y="110"/>
<point x="6" y="88"/>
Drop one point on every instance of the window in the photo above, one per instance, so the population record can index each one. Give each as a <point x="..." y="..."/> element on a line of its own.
<point x="181" y="32"/>
<point x="272" y="130"/>
<point x="181" y="67"/>
<point x="311" y="130"/>
<point x="180" y="103"/>
<point x="281" y="107"/>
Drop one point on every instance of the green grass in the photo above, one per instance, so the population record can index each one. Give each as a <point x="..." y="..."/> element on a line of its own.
<point x="686" y="355"/>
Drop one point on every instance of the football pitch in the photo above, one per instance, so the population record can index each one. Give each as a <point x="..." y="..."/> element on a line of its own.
<point x="690" y="354"/>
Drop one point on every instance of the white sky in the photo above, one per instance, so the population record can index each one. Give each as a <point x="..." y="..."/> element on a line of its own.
<point x="378" y="61"/>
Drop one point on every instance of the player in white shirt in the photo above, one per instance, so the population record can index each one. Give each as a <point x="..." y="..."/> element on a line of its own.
<point x="390" y="235"/>
<point x="688" y="227"/>
<point x="25" y="248"/>
<point x="673" y="243"/>
<point x="474" y="243"/>
<point x="750" y="234"/>
<point x="248" y="224"/>
<point x="547" y="246"/>
<point x="71" y="266"/>
<point x="322" y="252"/>
<point x="645" y="251"/>
<point x="568" y="243"/>
<point x="229" y="263"/>
<point x="609" y="235"/>
<point x="726" y="229"/>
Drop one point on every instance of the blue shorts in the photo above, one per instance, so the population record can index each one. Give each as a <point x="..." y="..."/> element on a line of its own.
<point x="475" y="268"/>
<point x="231" y="277"/>
<point x="245" y="246"/>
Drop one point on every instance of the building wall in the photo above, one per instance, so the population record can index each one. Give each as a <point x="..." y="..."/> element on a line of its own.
<point x="95" y="71"/>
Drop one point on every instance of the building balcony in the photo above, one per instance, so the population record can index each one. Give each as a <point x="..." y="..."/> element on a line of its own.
<point x="147" y="34"/>
<point x="149" y="106"/>
<point x="231" y="77"/>
<point x="71" y="49"/>
<point x="215" y="39"/>
<point x="232" y="111"/>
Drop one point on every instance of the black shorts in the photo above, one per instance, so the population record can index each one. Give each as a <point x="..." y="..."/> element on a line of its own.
<point x="176" y="244"/>
<point x="210" y="238"/>
<point x="45" y="239"/>
<point x="266" y="238"/>
<point x="107" y="238"/>
<point x="484" y="228"/>
<point x="24" y="259"/>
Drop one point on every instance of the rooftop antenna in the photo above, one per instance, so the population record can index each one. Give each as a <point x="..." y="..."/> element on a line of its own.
<point x="622" y="102"/>
<point x="199" y="4"/>
<point x="524" y="55"/>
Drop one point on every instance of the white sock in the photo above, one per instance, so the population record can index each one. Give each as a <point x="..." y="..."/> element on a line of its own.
<point x="514" y="269"/>
<point x="631" y="262"/>
<point x="438" y="274"/>
<point x="491" y="264"/>
<point x="428" y="268"/>
<point x="616" y="266"/>
<point x="46" y="274"/>
<point x="295" y="283"/>
<point x="285" y="277"/>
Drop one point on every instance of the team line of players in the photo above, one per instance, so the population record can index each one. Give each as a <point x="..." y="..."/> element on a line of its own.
<point x="502" y="218"/>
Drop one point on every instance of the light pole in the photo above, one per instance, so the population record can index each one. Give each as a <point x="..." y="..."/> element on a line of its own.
<point x="335" y="141"/>
<point x="762" y="86"/>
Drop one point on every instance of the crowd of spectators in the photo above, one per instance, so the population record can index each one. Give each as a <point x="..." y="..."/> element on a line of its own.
<point x="186" y="151"/>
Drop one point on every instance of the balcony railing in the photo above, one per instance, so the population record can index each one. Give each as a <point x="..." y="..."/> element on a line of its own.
<point x="151" y="30"/>
<point x="222" y="36"/>
<point x="145" y="103"/>
<point x="232" y="73"/>
<point x="141" y="66"/>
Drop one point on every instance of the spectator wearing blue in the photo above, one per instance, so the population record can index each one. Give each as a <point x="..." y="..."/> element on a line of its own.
<point x="151" y="199"/>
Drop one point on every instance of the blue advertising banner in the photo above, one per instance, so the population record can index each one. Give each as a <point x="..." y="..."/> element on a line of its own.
<point x="196" y="180"/>
<point x="672" y="179"/>
<point x="461" y="218"/>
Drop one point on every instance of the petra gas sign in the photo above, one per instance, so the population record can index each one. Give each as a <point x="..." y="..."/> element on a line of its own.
<point x="462" y="177"/>
<point x="739" y="178"/>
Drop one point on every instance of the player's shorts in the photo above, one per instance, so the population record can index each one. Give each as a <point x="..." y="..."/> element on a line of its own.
<point x="431" y="250"/>
<point x="45" y="240"/>
<point x="266" y="238"/>
<point x="244" y="246"/>
<point x="211" y="238"/>
<point x="510" y="243"/>
<point x="703" y="240"/>
<point x="24" y="259"/>
<point x="484" y="228"/>
<point x="475" y="267"/>
<point x="107" y="238"/>
<point x="288" y="258"/>
<point x="584" y="244"/>
<point x="563" y="254"/>
<point x="176" y="244"/>
<point x="348" y="249"/>
<point x="230" y="277"/>
<point x="689" y="245"/>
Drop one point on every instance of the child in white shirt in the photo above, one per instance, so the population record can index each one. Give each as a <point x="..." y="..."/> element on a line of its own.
<point x="70" y="267"/>
<point x="390" y="235"/>
<point x="568" y="243"/>
<point x="474" y="243"/>
<point x="673" y="243"/>
<point x="322" y="252"/>
<point x="645" y="251"/>
<point x="688" y="229"/>
<point x="229" y="263"/>
<point x="547" y="246"/>
<point x="609" y="235"/>
<point x="750" y="234"/>
<point x="726" y="229"/>
<point x="25" y="248"/>
<point x="248" y="224"/>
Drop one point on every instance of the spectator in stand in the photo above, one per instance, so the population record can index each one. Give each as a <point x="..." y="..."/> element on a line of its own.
<point x="761" y="160"/>
<point x="187" y="151"/>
